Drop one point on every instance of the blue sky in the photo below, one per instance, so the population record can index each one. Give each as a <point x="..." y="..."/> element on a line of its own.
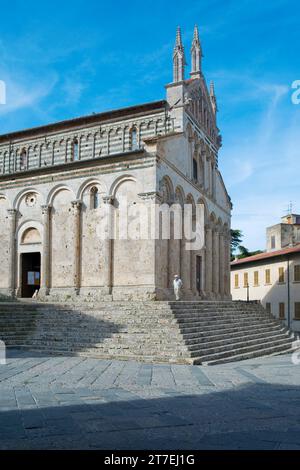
<point x="66" y="59"/>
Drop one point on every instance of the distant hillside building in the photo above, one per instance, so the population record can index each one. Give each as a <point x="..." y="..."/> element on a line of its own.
<point x="273" y="277"/>
<point x="56" y="178"/>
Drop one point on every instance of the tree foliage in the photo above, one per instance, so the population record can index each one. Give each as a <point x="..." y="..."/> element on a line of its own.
<point x="236" y="239"/>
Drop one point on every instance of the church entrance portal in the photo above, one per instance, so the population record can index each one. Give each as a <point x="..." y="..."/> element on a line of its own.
<point x="31" y="273"/>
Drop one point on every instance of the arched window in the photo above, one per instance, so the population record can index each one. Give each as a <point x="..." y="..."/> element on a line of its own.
<point x="23" y="159"/>
<point x="201" y="172"/>
<point x="95" y="198"/>
<point x="75" y="150"/>
<point x="195" y="170"/>
<point x="133" y="139"/>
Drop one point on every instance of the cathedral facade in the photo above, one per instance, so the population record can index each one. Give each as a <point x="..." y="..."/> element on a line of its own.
<point x="56" y="180"/>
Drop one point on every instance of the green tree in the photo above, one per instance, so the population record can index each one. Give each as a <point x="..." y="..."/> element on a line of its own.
<point x="236" y="239"/>
<point x="244" y="252"/>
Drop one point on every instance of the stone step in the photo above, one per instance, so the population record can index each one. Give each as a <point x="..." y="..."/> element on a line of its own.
<point x="244" y="356"/>
<point x="153" y="307"/>
<point x="237" y="311"/>
<point x="218" y="307"/>
<point x="50" y="322"/>
<point x="168" y="331"/>
<point x="100" y="347"/>
<point x="224" y="345"/>
<point x="229" y="352"/>
<point x="128" y="306"/>
<point x="101" y="355"/>
<point x="227" y="317"/>
<point x="126" y="338"/>
<point x="184" y="326"/>
<point x="222" y="332"/>
<point x="230" y="338"/>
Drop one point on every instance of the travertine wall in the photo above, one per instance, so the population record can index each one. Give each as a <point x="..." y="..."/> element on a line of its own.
<point x="5" y="244"/>
<point x="62" y="240"/>
<point x="94" y="141"/>
<point x="146" y="154"/>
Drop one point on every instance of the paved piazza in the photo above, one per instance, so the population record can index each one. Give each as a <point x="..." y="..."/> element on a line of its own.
<point x="55" y="402"/>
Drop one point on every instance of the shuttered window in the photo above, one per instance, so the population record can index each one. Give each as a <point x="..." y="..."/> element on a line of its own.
<point x="281" y="311"/>
<point x="281" y="275"/>
<point x="297" y="310"/>
<point x="297" y="273"/>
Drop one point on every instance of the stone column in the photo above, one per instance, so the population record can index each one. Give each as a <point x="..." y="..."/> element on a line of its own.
<point x="186" y="259"/>
<point x="222" y="264"/>
<point x="227" y="259"/>
<point x="208" y="260"/>
<point x="45" y="267"/>
<point x="108" y="244"/>
<point x="174" y="247"/>
<point x="216" y="262"/>
<point x="12" y="215"/>
<point x="153" y="199"/>
<point x="77" y="244"/>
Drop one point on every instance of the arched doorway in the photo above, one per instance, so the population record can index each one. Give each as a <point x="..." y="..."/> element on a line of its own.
<point x="31" y="273"/>
<point x="30" y="262"/>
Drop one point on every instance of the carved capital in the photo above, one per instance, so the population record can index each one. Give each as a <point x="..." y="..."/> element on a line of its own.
<point x="150" y="196"/>
<point x="12" y="213"/>
<point x="76" y="204"/>
<point x="108" y="200"/>
<point x="46" y="209"/>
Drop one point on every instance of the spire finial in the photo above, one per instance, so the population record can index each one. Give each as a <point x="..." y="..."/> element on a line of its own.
<point x="196" y="52"/>
<point x="178" y="58"/>
<point x="196" y="35"/>
<point x="213" y="98"/>
<point x="178" y="42"/>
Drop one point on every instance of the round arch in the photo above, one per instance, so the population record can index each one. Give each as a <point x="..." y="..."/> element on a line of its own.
<point x="25" y="226"/>
<point x="21" y="194"/>
<point x="4" y="196"/>
<point x="179" y="195"/>
<point x="202" y="201"/>
<point x="166" y="186"/>
<point x="213" y="218"/>
<point x="119" y="181"/>
<point x="90" y="182"/>
<point x="57" y="189"/>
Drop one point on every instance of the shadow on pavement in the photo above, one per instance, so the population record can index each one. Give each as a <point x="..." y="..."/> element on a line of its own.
<point x="259" y="416"/>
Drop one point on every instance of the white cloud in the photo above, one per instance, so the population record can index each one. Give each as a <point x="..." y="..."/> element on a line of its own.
<point x="26" y="94"/>
<point x="261" y="159"/>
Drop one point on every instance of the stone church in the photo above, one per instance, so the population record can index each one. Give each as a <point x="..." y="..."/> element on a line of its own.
<point x="55" y="180"/>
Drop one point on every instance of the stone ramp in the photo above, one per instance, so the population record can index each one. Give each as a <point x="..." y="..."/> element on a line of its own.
<point x="174" y="332"/>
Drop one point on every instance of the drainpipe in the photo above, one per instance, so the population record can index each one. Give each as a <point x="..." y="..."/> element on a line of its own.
<point x="289" y="292"/>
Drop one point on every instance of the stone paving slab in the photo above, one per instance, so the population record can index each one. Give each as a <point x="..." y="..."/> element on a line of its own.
<point x="49" y="402"/>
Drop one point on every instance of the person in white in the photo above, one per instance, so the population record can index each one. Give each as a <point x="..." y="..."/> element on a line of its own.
<point x="177" y="286"/>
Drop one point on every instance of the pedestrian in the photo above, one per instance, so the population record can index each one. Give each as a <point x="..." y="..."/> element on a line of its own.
<point x="177" y="287"/>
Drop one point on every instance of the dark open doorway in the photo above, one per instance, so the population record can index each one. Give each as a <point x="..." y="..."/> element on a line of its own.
<point x="199" y="273"/>
<point x="31" y="273"/>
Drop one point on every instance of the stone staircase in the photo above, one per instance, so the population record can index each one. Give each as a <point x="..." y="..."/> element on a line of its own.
<point x="176" y="332"/>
